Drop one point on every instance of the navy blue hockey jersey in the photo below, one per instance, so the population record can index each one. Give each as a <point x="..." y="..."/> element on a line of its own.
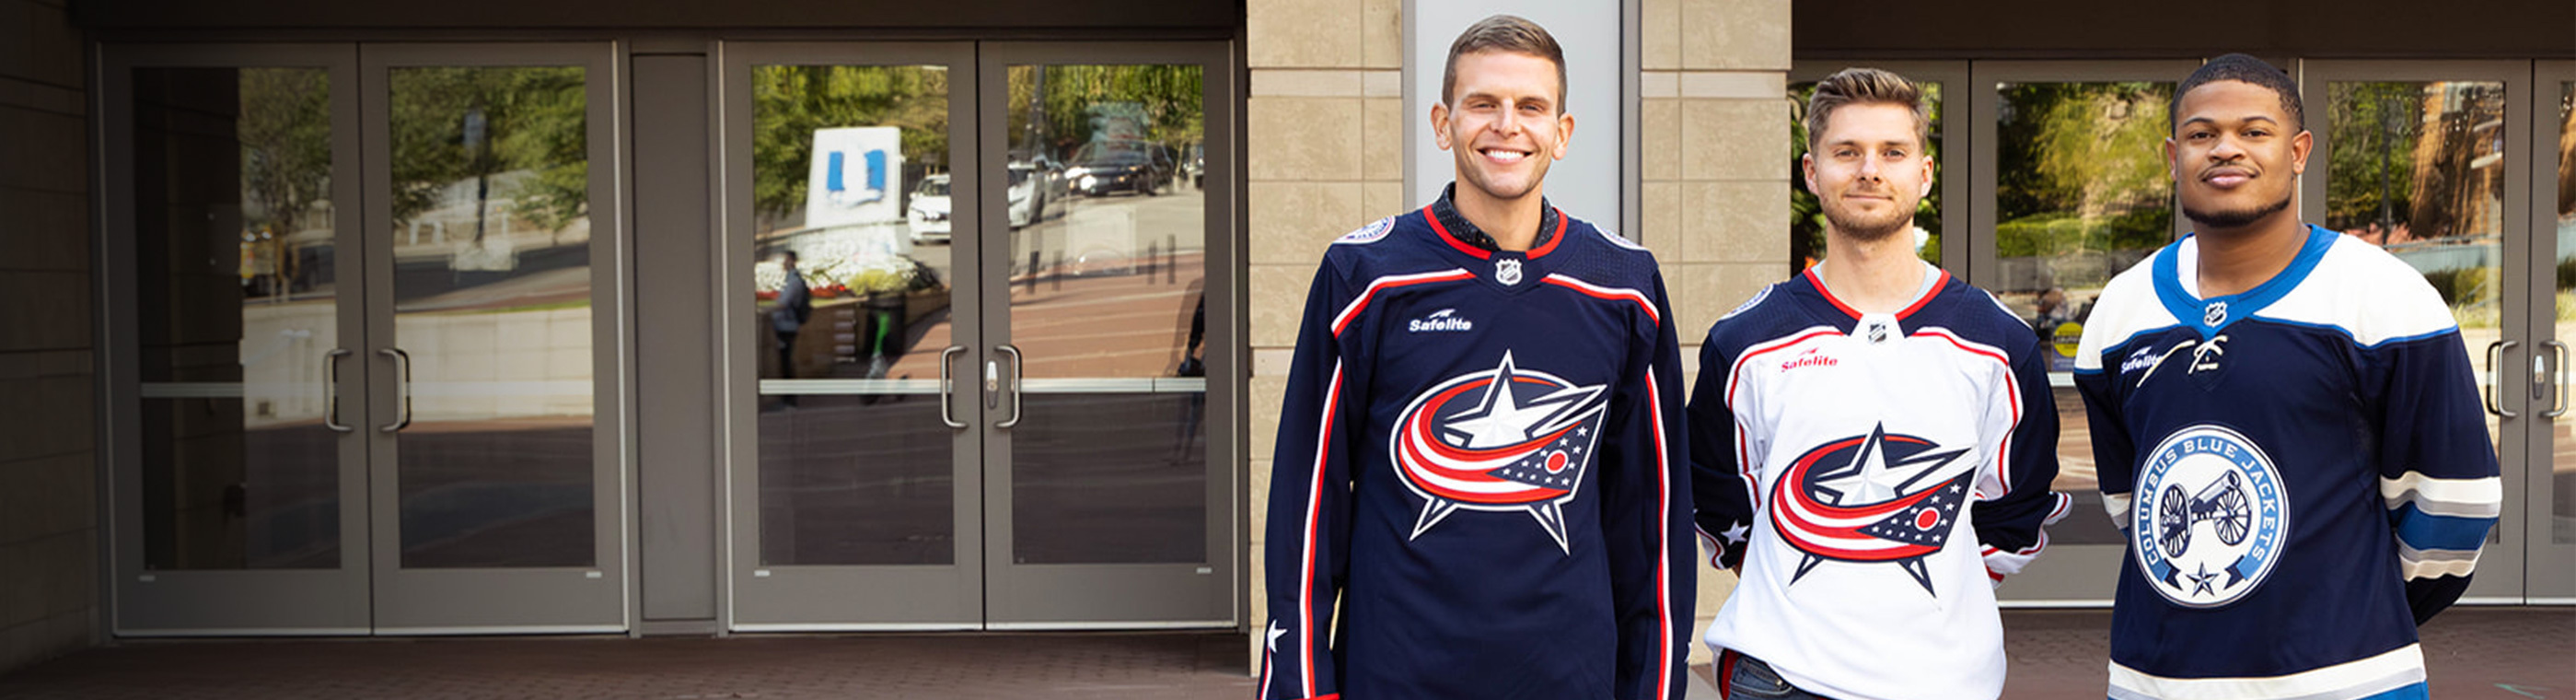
<point x="1480" y="460"/>
<point x="2302" y="470"/>
<point x="1876" y="474"/>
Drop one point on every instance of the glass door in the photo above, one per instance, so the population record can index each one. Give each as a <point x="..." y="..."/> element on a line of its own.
<point x="849" y="185"/>
<point x="2069" y="177"/>
<point x="239" y="485"/>
<point x="2418" y="158"/>
<point x="493" y="337"/>
<point x="2548" y="484"/>
<point x="1109" y="490"/>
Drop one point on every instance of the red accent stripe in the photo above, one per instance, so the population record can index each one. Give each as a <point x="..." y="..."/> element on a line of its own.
<point x="1541" y="251"/>
<point x="1453" y="240"/>
<point x="1663" y="541"/>
<point x="1352" y="313"/>
<point x="1819" y="282"/>
<point x="1725" y="672"/>
<point x="1314" y="517"/>
<point x="1606" y="293"/>
<point x="2012" y="391"/>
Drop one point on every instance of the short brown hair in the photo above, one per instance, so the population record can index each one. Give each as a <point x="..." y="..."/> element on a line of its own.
<point x="1509" y="34"/>
<point x="1866" y="86"/>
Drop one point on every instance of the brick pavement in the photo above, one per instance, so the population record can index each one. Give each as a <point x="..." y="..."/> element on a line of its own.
<point x="2474" y="653"/>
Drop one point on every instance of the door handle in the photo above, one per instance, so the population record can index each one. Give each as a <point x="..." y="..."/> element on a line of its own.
<point x="2557" y="390"/>
<point x="331" y="390"/>
<point x="2495" y="376"/>
<point x="1016" y="373"/>
<point x="948" y="387"/>
<point x="405" y="420"/>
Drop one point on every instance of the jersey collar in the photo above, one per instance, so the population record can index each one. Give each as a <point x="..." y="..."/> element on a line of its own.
<point x="1938" y="277"/>
<point x="1463" y="235"/>
<point x="2212" y="314"/>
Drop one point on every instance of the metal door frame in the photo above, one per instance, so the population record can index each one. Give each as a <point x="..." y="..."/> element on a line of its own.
<point x="1121" y="596"/>
<point x="540" y="600"/>
<point x="758" y="598"/>
<point x="2516" y="439"/>
<point x="147" y="603"/>
<point x="2549" y="566"/>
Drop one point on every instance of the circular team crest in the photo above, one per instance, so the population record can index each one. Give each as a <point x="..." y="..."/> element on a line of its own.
<point x="2209" y="517"/>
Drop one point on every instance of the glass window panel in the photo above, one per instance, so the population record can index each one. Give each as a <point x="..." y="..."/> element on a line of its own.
<point x="238" y="314"/>
<point x="492" y="290"/>
<point x="2081" y="193"/>
<point x="2562" y="461"/>
<point x="2418" y="169"/>
<point x="1807" y="218"/>
<point x="851" y="205"/>
<point x="1108" y="242"/>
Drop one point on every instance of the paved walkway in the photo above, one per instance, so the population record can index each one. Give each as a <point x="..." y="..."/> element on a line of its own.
<point x="2507" y="654"/>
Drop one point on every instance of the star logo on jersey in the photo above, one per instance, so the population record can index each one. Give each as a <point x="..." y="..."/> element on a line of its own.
<point x="1507" y="271"/>
<point x="1871" y="499"/>
<point x="1506" y="439"/>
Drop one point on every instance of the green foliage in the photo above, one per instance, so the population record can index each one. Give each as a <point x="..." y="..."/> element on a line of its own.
<point x="535" y="119"/>
<point x="2081" y="168"/>
<point x="1170" y="96"/>
<point x="285" y="132"/>
<point x="790" y="102"/>
<point x="2372" y="129"/>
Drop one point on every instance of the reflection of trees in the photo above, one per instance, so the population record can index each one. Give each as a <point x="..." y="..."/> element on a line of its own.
<point x="2369" y="175"/>
<point x="2080" y="168"/>
<point x="533" y="119"/>
<point x="285" y="132"/>
<point x="790" y="102"/>
<point x="1168" y="95"/>
<point x="1807" y="216"/>
<point x="2416" y="160"/>
<point x="2567" y="150"/>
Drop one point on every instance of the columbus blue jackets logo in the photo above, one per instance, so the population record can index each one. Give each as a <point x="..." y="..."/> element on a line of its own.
<point x="1500" y="440"/>
<point x="1871" y="499"/>
<point x="2208" y="521"/>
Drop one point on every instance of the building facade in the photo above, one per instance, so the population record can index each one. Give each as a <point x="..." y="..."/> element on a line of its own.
<point x="562" y="317"/>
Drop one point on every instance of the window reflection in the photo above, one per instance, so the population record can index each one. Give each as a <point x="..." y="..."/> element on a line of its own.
<point x="2081" y="194"/>
<point x="2562" y="497"/>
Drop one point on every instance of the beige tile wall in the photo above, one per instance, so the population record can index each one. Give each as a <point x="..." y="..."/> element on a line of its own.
<point x="1326" y="140"/>
<point x="48" y="465"/>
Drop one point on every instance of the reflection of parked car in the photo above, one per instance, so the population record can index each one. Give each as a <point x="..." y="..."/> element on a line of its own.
<point x="1102" y="167"/>
<point x="1195" y="165"/>
<point x="929" y="211"/>
<point x="1028" y="195"/>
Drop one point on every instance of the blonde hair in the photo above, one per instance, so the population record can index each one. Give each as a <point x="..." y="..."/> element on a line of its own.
<point x="1866" y="86"/>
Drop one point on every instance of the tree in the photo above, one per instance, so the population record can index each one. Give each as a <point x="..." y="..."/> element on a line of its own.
<point x="790" y="102"/>
<point x="285" y="132"/>
<point x="534" y="119"/>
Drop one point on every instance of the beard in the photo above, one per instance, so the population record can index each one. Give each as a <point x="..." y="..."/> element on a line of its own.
<point x="2208" y="219"/>
<point x="1866" y="228"/>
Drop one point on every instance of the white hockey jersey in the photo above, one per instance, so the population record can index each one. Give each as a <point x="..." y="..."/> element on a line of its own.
<point x="1875" y="474"/>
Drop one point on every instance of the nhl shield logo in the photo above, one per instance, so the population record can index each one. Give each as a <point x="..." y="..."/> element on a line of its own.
<point x="2209" y="518"/>
<point x="1871" y="499"/>
<point x="1507" y="271"/>
<point x="2214" y="315"/>
<point x="1501" y="440"/>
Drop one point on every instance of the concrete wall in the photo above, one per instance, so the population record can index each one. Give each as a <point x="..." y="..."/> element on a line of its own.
<point x="1326" y="130"/>
<point x="48" y="399"/>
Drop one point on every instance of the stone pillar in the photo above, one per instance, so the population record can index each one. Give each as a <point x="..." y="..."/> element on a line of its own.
<point x="1716" y="170"/>
<point x="48" y="404"/>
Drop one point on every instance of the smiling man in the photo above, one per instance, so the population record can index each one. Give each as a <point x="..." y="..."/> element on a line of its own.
<point x="2286" y="427"/>
<point x="1480" y="450"/>
<point x="1872" y="441"/>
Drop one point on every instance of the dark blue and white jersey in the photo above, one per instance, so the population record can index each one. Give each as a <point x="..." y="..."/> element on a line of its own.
<point x="1876" y="474"/>
<point x="1480" y="459"/>
<point x="2302" y="470"/>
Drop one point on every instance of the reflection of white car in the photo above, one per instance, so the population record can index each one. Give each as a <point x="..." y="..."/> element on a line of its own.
<point x="1028" y="200"/>
<point x="929" y="211"/>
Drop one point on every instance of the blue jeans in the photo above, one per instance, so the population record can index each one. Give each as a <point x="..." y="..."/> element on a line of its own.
<point x="1747" y="678"/>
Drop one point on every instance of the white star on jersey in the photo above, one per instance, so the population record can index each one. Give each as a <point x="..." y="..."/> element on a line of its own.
<point x="1871" y="479"/>
<point x="1503" y="422"/>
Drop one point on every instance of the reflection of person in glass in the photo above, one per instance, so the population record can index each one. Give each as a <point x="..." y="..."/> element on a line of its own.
<point x="1480" y="447"/>
<point x="787" y="316"/>
<point x="1872" y="441"/>
<point x="2286" y="426"/>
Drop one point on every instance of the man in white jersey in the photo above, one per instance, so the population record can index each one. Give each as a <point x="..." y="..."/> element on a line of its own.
<point x="1871" y="441"/>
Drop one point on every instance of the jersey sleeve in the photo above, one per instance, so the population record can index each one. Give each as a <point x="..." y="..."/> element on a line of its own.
<point x="2016" y="504"/>
<point x="1308" y="538"/>
<point x="1723" y="461"/>
<point x="2437" y="471"/>
<point x="1646" y="510"/>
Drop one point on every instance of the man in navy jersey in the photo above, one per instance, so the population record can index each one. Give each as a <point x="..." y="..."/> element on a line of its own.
<point x="2287" y="429"/>
<point x="1872" y="441"/>
<point x="1480" y="456"/>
